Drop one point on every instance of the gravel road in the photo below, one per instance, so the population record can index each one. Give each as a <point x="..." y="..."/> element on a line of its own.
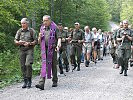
<point x="97" y="82"/>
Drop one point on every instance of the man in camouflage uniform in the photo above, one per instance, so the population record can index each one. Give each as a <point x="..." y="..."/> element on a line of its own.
<point x="26" y="39"/>
<point x="77" y="38"/>
<point x="47" y="27"/>
<point x="114" y="46"/>
<point x="124" y="37"/>
<point x="63" y="49"/>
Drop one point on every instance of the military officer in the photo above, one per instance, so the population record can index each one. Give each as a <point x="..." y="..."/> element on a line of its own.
<point x="63" y="49"/>
<point x="114" y="48"/>
<point x="124" y="37"/>
<point x="77" y="38"/>
<point x="26" y="39"/>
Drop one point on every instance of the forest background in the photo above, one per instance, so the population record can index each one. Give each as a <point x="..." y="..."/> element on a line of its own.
<point x="95" y="13"/>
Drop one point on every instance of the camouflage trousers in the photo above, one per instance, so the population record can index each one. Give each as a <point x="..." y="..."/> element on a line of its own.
<point x="76" y="51"/>
<point x="123" y="57"/>
<point x="26" y="61"/>
<point x="63" y="55"/>
<point x="113" y="52"/>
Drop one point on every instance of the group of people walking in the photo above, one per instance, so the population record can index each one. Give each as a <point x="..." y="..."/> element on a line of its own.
<point x="62" y="46"/>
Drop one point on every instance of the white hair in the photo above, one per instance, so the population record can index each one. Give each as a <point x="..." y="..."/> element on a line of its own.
<point x="125" y="21"/>
<point x="93" y="29"/>
<point x="46" y="16"/>
<point x="24" y="20"/>
<point x="86" y="27"/>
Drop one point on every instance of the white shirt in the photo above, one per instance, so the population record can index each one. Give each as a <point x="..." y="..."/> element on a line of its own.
<point x="96" y="36"/>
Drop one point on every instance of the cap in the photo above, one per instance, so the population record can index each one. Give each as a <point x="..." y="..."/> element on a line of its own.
<point x="59" y="23"/>
<point x="76" y="23"/>
<point x="65" y="28"/>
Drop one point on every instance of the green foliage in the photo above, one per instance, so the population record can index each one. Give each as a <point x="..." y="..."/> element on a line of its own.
<point x="127" y="11"/>
<point x="121" y="10"/>
<point x="9" y="68"/>
<point x="87" y="12"/>
<point x="115" y="9"/>
<point x="10" y="71"/>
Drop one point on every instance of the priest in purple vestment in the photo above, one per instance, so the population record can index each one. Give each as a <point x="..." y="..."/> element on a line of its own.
<point x="50" y="42"/>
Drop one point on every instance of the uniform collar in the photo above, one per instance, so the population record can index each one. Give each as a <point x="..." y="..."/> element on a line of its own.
<point x="26" y="29"/>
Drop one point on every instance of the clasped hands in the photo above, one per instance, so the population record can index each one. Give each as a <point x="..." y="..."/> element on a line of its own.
<point x="26" y="44"/>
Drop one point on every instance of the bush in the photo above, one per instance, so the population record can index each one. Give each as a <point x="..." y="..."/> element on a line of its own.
<point x="10" y="71"/>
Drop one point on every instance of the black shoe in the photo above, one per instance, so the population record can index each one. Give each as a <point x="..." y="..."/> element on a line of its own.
<point x="29" y="83"/>
<point x="86" y="63"/>
<point x="78" y="69"/>
<point x="67" y="68"/>
<point x="25" y="83"/>
<point x="95" y="62"/>
<point x="75" y="65"/>
<point x="40" y="86"/>
<point x="54" y="84"/>
<point x="61" y="69"/>
<point x="125" y="72"/>
<point x="61" y="72"/>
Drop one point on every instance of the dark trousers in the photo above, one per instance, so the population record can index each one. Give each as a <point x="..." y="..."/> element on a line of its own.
<point x="26" y="61"/>
<point x="76" y="52"/>
<point x="54" y="70"/>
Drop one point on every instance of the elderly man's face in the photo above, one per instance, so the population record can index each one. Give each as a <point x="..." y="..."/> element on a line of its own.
<point x="77" y="26"/>
<point x="95" y="31"/>
<point x="125" y="24"/>
<point x="46" y="21"/>
<point x="24" y="25"/>
<point x="87" y="30"/>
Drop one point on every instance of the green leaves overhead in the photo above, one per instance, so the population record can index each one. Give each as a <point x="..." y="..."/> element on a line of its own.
<point x="127" y="11"/>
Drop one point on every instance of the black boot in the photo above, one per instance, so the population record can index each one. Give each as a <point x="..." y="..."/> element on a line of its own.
<point x="29" y="82"/>
<point x="25" y="83"/>
<point x="61" y="69"/>
<point x="75" y="65"/>
<point x="67" y="68"/>
<point x="54" y="84"/>
<point x="78" y="69"/>
<point x="41" y="84"/>
<point x="87" y="63"/>
<point x="125" y="72"/>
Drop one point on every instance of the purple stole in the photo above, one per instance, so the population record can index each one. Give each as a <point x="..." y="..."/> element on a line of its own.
<point x="47" y="62"/>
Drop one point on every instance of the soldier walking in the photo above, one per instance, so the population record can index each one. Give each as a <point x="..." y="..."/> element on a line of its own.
<point x="124" y="37"/>
<point x="26" y="39"/>
<point x="77" y="38"/>
<point x="114" y="47"/>
<point x="63" y="49"/>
